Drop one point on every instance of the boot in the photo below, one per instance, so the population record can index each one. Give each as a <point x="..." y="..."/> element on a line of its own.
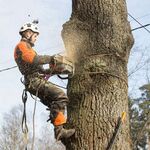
<point x="61" y="133"/>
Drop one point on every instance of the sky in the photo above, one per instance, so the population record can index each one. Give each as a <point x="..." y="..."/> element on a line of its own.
<point x="140" y="10"/>
<point x="52" y="14"/>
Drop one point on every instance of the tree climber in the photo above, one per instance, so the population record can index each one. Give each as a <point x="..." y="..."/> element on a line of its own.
<point x="30" y="65"/>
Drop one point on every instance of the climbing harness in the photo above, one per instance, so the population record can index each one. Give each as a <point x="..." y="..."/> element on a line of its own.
<point x="116" y="132"/>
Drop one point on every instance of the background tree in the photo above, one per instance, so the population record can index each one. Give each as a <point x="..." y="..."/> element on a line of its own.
<point x="98" y="38"/>
<point x="46" y="140"/>
<point x="11" y="137"/>
<point x="140" y="119"/>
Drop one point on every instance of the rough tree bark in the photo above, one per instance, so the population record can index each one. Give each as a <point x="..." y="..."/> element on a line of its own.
<point x="98" y="39"/>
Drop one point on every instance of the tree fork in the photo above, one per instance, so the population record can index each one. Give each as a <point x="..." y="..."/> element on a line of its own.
<point x="98" y="39"/>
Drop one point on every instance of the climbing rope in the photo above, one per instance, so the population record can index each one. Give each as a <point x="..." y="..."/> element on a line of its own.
<point x="33" y="135"/>
<point x="24" y="120"/>
<point x="110" y="74"/>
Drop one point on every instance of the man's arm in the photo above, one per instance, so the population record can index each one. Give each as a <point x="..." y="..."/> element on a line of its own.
<point x="30" y="56"/>
<point x="43" y="59"/>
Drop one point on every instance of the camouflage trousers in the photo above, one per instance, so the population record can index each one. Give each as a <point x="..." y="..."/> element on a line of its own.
<point x="49" y="94"/>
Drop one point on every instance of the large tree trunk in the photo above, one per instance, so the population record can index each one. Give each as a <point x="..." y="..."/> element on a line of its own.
<point x="98" y="38"/>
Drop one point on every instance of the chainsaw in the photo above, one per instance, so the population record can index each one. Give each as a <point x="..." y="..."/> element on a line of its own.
<point x="61" y="65"/>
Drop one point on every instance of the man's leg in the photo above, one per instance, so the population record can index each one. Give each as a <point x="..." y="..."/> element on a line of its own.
<point x="56" y="100"/>
<point x="58" y="103"/>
